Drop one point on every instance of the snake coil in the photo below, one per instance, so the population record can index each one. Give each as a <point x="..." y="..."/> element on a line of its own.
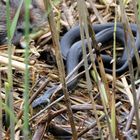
<point x="72" y="52"/>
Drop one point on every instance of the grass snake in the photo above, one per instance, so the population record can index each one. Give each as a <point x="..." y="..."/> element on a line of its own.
<point x="72" y="52"/>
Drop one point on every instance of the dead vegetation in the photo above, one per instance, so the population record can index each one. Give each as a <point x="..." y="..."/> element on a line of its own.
<point x="52" y="122"/>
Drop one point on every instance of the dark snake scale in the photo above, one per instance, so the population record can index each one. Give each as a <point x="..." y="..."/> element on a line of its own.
<point x="72" y="51"/>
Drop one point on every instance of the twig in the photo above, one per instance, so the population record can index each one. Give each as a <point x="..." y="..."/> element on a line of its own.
<point x="99" y="17"/>
<point x="84" y="26"/>
<point x="14" y="63"/>
<point x="67" y="14"/>
<point x="132" y="79"/>
<point x="60" y="65"/>
<point x="94" y="123"/>
<point x="132" y="112"/>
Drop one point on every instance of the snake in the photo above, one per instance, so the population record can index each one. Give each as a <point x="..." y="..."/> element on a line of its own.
<point x="72" y="53"/>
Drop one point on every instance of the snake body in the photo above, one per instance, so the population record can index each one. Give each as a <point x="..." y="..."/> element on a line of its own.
<point x="72" y="51"/>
